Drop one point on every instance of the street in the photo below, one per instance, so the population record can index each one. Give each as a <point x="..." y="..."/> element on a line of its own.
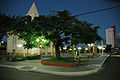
<point x="110" y="71"/>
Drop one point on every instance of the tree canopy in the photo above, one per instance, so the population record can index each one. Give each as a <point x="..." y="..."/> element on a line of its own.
<point x="59" y="28"/>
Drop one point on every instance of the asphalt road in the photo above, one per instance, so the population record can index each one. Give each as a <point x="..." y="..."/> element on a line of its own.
<point x="110" y="71"/>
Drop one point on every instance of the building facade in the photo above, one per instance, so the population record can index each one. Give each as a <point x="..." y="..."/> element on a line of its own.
<point x="13" y="43"/>
<point x="111" y="36"/>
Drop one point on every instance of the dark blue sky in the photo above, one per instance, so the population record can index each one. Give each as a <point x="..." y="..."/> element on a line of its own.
<point x="105" y="19"/>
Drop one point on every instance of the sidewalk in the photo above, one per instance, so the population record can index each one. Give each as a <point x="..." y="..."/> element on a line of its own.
<point x="88" y="67"/>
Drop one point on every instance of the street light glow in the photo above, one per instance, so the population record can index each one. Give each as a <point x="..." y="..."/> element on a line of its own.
<point x="40" y="46"/>
<point x="43" y="40"/>
<point x="25" y="43"/>
<point x="86" y="48"/>
<point x="99" y="47"/>
<point x="89" y="44"/>
<point x="79" y="48"/>
<point x="103" y="48"/>
<point x="74" y="48"/>
<point x="64" y="48"/>
<point x="2" y="41"/>
<point x="19" y="45"/>
<point x="92" y="44"/>
<point x="37" y="40"/>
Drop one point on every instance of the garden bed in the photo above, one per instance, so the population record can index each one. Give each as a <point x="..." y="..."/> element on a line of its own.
<point x="67" y="62"/>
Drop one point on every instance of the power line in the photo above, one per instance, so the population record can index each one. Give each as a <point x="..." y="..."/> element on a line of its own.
<point x="100" y="10"/>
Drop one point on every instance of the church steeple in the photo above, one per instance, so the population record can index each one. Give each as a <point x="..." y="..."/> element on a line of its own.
<point x="33" y="11"/>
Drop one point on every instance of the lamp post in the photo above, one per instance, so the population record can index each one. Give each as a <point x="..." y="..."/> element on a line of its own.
<point x="79" y="48"/>
<point x="103" y="50"/>
<point x="99" y="47"/>
<point x="2" y="42"/>
<point x="65" y="48"/>
<point x="93" y="49"/>
<point x="86" y="50"/>
<point x="74" y="48"/>
<point x="40" y="51"/>
<point x="70" y="50"/>
<point x="43" y="40"/>
<point x="60" y="49"/>
<point x="38" y="47"/>
<point x="102" y="46"/>
<point x="89" y="45"/>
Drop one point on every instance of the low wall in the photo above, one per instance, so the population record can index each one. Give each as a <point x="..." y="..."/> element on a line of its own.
<point x="58" y="64"/>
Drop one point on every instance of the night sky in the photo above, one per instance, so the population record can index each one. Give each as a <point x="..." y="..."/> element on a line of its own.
<point x="105" y="19"/>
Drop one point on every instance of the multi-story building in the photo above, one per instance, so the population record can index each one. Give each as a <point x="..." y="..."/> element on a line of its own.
<point x="111" y="36"/>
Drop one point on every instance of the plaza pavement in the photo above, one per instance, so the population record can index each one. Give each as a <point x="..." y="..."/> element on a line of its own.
<point x="93" y="65"/>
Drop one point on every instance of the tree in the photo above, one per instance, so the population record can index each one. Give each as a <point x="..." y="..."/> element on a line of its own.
<point x="5" y="22"/>
<point x="89" y="34"/>
<point x="28" y="31"/>
<point x="59" y="25"/>
<point x="51" y="28"/>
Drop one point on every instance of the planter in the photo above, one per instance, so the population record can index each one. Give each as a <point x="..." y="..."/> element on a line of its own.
<point x="58" y="64"/>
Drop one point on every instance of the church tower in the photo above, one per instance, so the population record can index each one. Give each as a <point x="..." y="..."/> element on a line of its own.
<point x="33" y="11"/>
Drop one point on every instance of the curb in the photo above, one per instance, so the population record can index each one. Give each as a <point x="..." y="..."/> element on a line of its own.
<point x="81" y="73"/>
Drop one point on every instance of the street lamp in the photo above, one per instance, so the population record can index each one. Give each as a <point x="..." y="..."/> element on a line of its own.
<point x="38" y="47"/>
<point x="99" y="47"/>
<point x="65" y="48"/>
<point x="74" y="48"/>
<point x="2" y="41"/>
<point x="90" y="45"/>
<point x="70" y="50"/>
<point x="37" y="40"/>
<point x="93" y="49"/>
<point x="86" y="48"/>
<point x="43" y="40"/>
<point x="79" y="48"/>
<point x="19" y="45"/>
<point x="103" y="50"/>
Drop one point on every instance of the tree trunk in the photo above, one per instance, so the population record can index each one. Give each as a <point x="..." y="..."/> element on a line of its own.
<point x="73" y="51"/>
<point x="52" y="48"/>
<point x="27" y="52"/>
<point x="95" y="49"/>
<point x="57" y="51"/>
<point x="89" y="51"/>
<point x="85" y="49"/>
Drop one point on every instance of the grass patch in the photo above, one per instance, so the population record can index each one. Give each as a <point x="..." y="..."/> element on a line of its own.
<point x="62" y="60"/>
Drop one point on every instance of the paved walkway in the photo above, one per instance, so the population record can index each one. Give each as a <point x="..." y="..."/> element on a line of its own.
<point x="88" y="67"/>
